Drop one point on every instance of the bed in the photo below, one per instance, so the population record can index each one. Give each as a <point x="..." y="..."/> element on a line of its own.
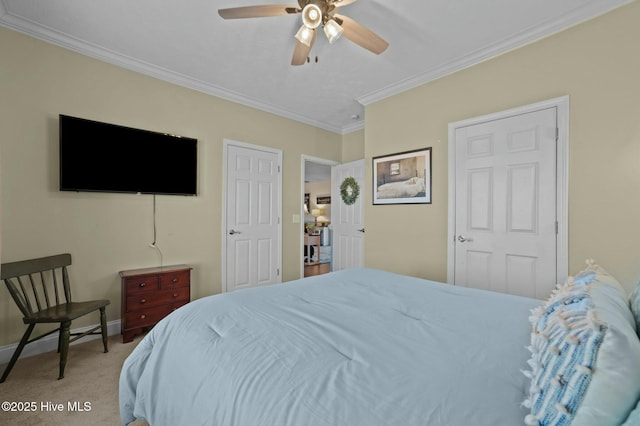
<point x="407" y="188"/>
<point x="368" y="347"/>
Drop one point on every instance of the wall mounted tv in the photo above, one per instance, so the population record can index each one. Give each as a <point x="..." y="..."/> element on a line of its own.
<point x="102" y="157"/>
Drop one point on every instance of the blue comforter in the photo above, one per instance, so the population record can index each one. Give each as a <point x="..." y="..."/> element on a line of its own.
<point x="355" y="347"/>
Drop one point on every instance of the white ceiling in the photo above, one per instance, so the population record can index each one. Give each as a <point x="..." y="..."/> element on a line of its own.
<point x="248" y="60"/>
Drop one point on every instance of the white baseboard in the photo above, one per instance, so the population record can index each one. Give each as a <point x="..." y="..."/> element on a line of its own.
<point x="50" y="343"/>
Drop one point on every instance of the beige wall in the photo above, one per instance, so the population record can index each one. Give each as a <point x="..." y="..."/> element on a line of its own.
<point x="109" y="232"/>
<point x="598" y="66"/>
<point x="353" y="146"/>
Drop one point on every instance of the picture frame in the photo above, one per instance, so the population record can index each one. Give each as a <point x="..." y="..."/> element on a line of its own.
<point x="402" y="178"/>
<point x="323" y="199"/>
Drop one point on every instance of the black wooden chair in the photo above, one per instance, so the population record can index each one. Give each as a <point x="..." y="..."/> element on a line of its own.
<point x="40" y="288"/>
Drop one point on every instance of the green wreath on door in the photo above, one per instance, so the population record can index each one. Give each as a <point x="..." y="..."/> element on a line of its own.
<point x="349" y="190"/>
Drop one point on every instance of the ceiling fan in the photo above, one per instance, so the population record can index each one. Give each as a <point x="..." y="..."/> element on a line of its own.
<point x="314" y="13"/>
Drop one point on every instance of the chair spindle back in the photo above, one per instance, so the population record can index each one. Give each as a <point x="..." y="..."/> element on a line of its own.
<point x="38" y="284"/>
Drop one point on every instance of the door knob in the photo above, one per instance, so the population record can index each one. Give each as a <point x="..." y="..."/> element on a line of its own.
<point x="361" y="230"/>
<point x="233" y="232"/>
<point x="463" y="239"/>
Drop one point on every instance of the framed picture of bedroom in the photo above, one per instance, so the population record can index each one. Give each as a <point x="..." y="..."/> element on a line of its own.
<point x="402" y="178"/>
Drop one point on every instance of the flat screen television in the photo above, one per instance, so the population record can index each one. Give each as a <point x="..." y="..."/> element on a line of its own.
<point x="102" y="157"/>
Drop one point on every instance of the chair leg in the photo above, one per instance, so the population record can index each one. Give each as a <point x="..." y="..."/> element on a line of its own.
<point x="103" y="323"/>
<point x="64" y="346"/>
<point x="18" y="351"/>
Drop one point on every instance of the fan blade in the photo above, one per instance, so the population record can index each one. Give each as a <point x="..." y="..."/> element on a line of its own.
<point x="361" y="36"/>
<point x="343" y="3"/>
<point x="258" y="11"/>
<point x="301" y="52"/>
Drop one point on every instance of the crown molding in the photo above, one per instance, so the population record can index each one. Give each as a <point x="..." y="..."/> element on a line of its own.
<point x="582" y="14"/>
<point x="354" y="127"/>
<point x="97" y="52"/>
<point x="530" y="35"/>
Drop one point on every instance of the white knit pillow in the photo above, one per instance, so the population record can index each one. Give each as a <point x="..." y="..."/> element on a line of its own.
<point x="585" y="363"/>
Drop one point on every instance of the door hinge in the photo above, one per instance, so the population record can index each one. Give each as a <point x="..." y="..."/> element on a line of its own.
<point x="557" y="133"/>
<point x="278" y="272"/>
<point x="278" y="169"/>
<point x="557" y="227"/>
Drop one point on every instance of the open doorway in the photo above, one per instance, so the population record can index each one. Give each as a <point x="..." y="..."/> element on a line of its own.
<point x="315" y="230"/>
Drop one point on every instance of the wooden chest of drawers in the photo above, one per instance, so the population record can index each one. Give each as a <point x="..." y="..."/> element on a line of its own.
<point x="150" y="294"/>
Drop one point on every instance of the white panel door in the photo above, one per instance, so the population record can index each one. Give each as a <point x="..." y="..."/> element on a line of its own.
<point x="505" y="197"/>
<point x="347" y="221"/>
<point x="252" y="240"/>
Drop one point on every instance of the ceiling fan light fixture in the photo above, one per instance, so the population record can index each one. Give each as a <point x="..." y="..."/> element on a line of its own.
<point x="332" y="30"/>
<point x="305" y="35"/>
<point x="311" y="16"/>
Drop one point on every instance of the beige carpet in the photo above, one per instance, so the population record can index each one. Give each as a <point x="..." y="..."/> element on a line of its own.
<point x="90" y="383"/>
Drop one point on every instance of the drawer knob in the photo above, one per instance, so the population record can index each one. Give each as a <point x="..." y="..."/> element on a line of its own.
<point x="175" y="294"/>
<point x="143" y="316"/>
<point x="143" y="301"/>
<point x="143" y="284"/>
<point x="175" y="280"/>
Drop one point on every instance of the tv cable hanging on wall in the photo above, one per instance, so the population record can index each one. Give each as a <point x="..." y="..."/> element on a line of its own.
<point x="154" y="244"/>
